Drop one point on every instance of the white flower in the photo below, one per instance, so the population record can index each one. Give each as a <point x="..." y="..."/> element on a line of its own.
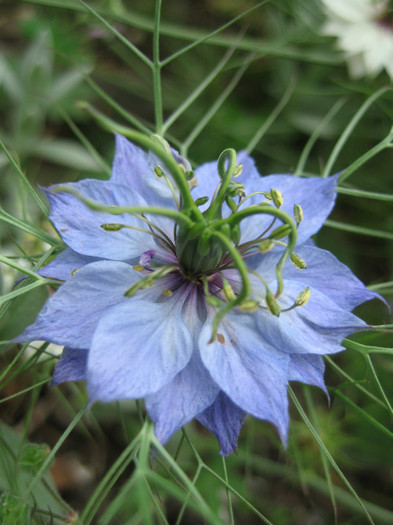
<point x="364" y="32"/>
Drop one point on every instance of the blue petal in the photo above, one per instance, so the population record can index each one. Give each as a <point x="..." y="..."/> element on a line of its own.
<point x="135" y="168"/>
<point x="70" y="316"/>
<point x="188" y="394"/>
<point x="65" y="263"/>
<point x="130" y="164"/>
<point x="223" y="419"/>
<point x="324" y="272"/>
<point x="331" y="277"/>
<point x="138" y="347"/>
<point x="251" y="372"/>
<point x="316" y="328"/>
<point x="307" y="369"/>
<point x="80" y="226"/>
<point x="70" y="367"/>
<point x="315" y="195"/>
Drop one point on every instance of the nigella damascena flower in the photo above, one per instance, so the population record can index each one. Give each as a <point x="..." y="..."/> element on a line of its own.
<point x="185" y="288"/>
<point x="365" y="33"/>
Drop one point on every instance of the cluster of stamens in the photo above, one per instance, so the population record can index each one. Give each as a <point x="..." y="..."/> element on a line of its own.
<point x="205" y="244"/>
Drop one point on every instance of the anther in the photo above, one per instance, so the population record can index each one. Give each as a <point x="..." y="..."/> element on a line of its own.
<point x="297" y="261"/>
<point x="280" y="232"/>
<point x="298" y="213"/>
<point x="277" y="197"/>
<point x="303" y="297"/>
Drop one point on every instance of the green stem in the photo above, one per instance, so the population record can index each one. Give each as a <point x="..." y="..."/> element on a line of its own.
<point x="157" y="148"/>
<point x="226" y="177"/>
<point x="157" y="69"/>
<point x="237" y="217"/>
<point x="177" y="216"/>
<point x="245" y="289"/>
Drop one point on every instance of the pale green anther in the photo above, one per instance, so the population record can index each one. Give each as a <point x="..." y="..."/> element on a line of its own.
<point x="192" y="183"/>
<point x="265" y="246"/>
<point x="297" y="261"/>
<point x="201" y="201"/>
<point x="303" y="297"/>
<point x="158" y="171"/>
<point x="231" y="203"/>
<point x="277" y="197"/>
<point x="238" y="169"/>
<point x="214" y="301"/>
<point x="228" y="290"/>
<point x="249" y="306"/>
<point x="188" y="174"/>
<point x="74" y="272"/>
<point x="298" y="213"/>
<point x="272" y="304"/>
<point x="280" y="232"/>
<point x="112" y="227"/>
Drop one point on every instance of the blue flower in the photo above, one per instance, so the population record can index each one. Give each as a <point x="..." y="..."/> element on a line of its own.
<point x="197" y="304"/>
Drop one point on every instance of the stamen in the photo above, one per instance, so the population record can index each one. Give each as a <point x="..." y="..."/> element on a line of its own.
<point x="297" y="261"/>
<point x="277" y="197"/>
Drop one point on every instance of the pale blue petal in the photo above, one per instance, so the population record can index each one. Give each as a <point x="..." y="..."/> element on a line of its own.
<point x="307" y="369"/>
<point x="324" y="272"/>
<point x="223" y="419"/>
<point x="331" y="277"/>
<point x="315" y="195"/>
<point x="71" y="366"/>
<point x="65" y="264"/>
<point x="250" y="371"/>
<point x="188" y="394"/>
<point x="130" y="164"/>
<point x="70" y="316"/>
<point x="135" y="168"/>
<point x="316" y="328"/>
<point x="80" y="226"/>
<point x="138" y="347"/>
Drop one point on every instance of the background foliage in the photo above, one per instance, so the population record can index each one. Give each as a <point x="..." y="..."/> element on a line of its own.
<point x="210" y="75"/>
